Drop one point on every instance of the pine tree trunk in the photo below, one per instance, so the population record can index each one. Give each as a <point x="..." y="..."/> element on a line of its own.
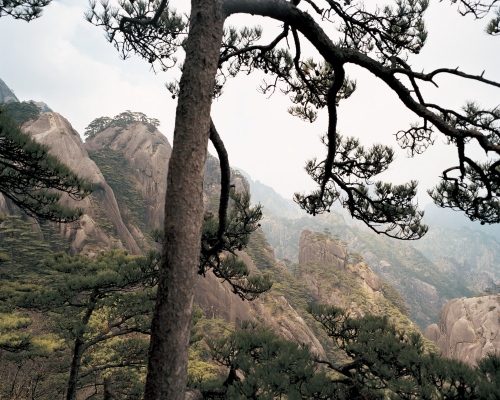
<point x="167" y="369"/>
<point x="107" y="395"/>
<point x="75" y="369"/>
<point x="80" y="347"/>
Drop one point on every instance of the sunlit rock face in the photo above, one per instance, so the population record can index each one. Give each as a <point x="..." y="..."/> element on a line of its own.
<point x="468" y="329"/>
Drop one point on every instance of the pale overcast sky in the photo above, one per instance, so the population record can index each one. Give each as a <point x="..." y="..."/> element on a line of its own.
<point x="66" y="62"/>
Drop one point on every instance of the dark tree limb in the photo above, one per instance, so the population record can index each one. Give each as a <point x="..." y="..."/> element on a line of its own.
<point x="225" y="182"/>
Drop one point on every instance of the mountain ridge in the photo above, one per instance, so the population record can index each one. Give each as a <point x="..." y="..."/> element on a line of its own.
<point x="128" y="165"/>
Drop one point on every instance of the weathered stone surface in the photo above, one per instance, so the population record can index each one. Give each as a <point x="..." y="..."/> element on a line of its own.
<point x="320" y="252"/>
<point x="286" y="322"/>
<point x="432" y="333"/>
<point x="217" y="300"/>
<point x="64" y="142"/>
<point x="332" y="280"/>
<point x="469" y="328"/>
<point x="147" y="154"/>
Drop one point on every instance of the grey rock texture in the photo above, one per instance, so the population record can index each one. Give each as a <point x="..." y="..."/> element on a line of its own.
<point x="64" y="142"/>
<point x="333" y="280"/>
<point x="6" y="94"/>
<point x="313" y="249"/>
<point x="468" y="329"/>
<point x="147" y="154"/>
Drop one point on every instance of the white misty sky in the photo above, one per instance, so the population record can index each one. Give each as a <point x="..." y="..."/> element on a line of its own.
<point x="66" y="62"/>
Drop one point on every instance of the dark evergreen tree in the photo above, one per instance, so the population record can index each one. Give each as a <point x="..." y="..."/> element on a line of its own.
<point x="120" y="120"/>
<point x="21" y="112"/>
<point x="101" y="308"/>
<point x="22" y="246"/>
<point x="26" y="10"/>
<point x="489" y="383"/>
<point x="379" y="360"/>
<point x="262" y="365"/>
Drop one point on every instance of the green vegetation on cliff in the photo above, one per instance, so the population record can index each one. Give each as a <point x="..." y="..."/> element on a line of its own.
<point x="119" y="176"/>
<point x="121" y="120"/>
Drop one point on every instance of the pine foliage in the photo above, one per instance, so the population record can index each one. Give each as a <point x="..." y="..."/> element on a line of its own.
<point x="120" y="120"/>
<point x="26" y="10"/>
<point x="33" y="179"/>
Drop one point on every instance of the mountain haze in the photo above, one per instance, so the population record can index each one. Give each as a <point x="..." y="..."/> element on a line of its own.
<point x="328" y="259"/>
<point x="452" y="260"/>
<point x="128" y="164"/>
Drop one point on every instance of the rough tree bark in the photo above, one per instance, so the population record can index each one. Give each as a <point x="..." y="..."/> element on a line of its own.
<point x="167" y="369"/>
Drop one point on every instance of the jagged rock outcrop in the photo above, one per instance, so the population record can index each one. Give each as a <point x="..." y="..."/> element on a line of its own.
<point x="146" y="154"/>
<point x="217" y="299"/>
<point x="287" y="322"/>
<point x="469" y="328"/>
<point x="6" y="94"/>
<point x="317" y="249"/>
<point x="64" y="142"/>
<point x="332" y="279"/>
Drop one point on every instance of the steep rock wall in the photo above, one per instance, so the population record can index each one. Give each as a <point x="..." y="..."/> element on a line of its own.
<point x="468" y="329"/>
<point x="147" y="154"/>
<point x="314" y="248"/>
<point x="55" y="131"/>
<point x="333" y="280"/>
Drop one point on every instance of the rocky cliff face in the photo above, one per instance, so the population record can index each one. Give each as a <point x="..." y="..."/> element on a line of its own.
<point x="6" y="95"/>
<point x="318" y="249"/>
<point x="128" y="166"/>
<point x="468" y="329"/>
<point x="89" y="234"/>
<point x="423" y="283"/>
<point x="144" y="157"/>
<point x="324" y="266"/>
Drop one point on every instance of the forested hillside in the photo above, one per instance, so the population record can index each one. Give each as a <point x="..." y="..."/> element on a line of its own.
<point x="61" y="282"/>
<point x="76" y="299"/>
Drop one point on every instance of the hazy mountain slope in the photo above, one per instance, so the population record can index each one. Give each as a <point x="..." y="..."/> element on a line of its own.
<point x="423" y="286"/>
<point x="447" y="263"/>
<point x="6" y="94"/>
<point x="447" y="218"/>
<point x="274" y="203"/>
<point x="463" y="252"/>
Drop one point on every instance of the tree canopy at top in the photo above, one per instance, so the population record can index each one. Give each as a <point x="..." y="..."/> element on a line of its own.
<point x="26" y="10"/>
<point x="377" y="38"/>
